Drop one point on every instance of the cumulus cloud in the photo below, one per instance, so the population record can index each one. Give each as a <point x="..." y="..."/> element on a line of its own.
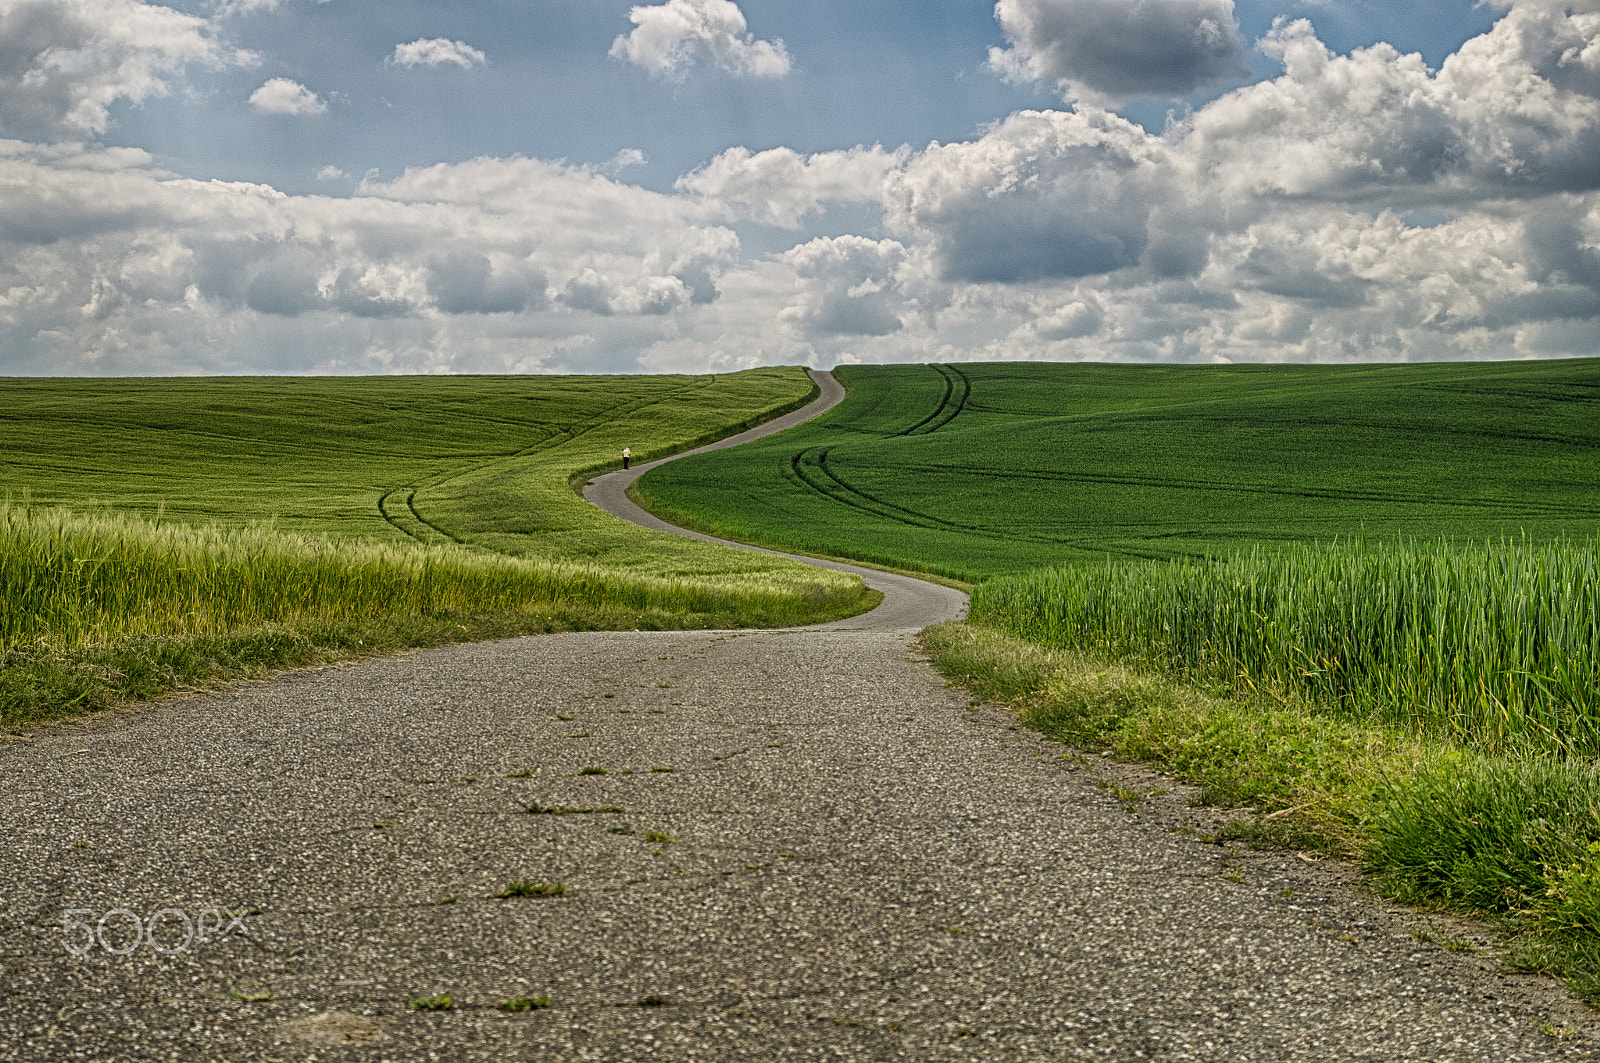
<point x="848" y="285"/>
<point x="283" y="96"/>
<point x="781" y="187"/>
<point x="668" y="36"/>
<point x="1044" y="195"/>
<point x="63" y="63"/>
<point x="104" y="258"/>
<point x="1115" y="50"/>
<point x="1512" y="112"/>
<point x="436" y="51"/>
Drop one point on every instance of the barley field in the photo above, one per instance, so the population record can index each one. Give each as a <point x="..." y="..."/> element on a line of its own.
<point x="1496" y="644"/>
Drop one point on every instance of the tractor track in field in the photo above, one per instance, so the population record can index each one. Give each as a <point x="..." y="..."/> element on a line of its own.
<point x="555" y="439"/>
<point x="957" y="389"/>
<point x="847" y="494"/>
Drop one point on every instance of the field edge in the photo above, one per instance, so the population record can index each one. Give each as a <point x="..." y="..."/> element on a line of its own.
<point x="1297" y="780"/>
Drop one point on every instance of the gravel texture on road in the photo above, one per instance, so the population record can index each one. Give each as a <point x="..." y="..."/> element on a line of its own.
<point x="681" y="845"/>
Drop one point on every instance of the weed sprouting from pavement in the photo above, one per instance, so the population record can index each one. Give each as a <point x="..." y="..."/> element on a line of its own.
<point x="533" y="889"/>
<point x="525" y="1003"/>
<point x="536" y="809"/>
<point x="442" y="1002"/>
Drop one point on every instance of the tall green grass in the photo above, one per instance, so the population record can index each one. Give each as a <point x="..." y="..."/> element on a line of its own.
<point x="1494" y="644"/>
<point x="70" y="580"/>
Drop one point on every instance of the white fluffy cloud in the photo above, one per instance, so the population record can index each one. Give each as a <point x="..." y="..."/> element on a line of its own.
<point x="436" y="51"/>
<point x="1115" y="50"/>
<point x="1044" y="195"/>
<point x="63" y="63"/>
<point x="283" y="96"/>
<point x="668" y="36"/>
<point x="847" y="286"/>
<point x="781" y="187"/>
<point x="105" y="258"/>
<point x="1515" y="111"/>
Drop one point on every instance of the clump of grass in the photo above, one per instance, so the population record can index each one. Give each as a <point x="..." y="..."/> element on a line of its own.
<point x="536" y="809"/>
<point x="1517" y="838"/>
<point x="442" y="1002"/>
<point x="592" y="770"/>
<point x="660" y="838"/>
<point x="525" y="1003"/>
<point x="533" y="889"/>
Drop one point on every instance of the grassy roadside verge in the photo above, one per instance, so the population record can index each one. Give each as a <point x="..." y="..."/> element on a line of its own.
<point x="40" y="683"/>
<point x="110" y="607"/>
<point x="1515" y="837"/>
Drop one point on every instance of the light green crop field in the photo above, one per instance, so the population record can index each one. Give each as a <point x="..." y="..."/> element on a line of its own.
<point x="142" y="510"/>
<point x="482" y="461"/>
<point x="975" y="470"/>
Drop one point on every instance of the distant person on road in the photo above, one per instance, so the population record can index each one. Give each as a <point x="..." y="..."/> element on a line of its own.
<point x="627" y="456"/>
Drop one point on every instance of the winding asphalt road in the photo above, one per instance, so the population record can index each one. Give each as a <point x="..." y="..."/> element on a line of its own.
<point x="908" y="604"/>
<point x="771" y="845"/>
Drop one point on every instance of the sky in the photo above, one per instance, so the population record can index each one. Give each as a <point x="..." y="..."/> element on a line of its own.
<point x="559" y="186"/>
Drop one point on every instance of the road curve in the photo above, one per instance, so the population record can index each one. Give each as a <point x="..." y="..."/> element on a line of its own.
<point x="908" y="604"/>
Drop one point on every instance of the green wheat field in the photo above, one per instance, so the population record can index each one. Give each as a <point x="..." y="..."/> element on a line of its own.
<point x="160" y="533"/>
<point x="975" y="470"/>
<point x="1363" y="600"/>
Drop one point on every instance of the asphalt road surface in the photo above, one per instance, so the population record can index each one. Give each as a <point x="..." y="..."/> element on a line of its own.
<point x="768" y="845"/>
